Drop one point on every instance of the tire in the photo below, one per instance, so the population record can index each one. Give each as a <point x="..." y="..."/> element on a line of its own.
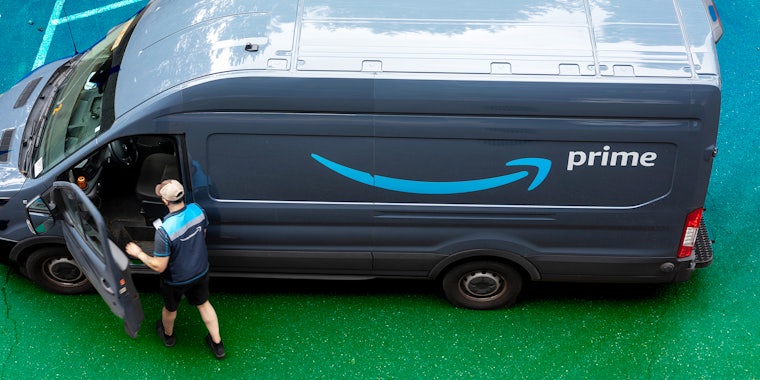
<point x="55" y="270"/>
<point x="482" y="285"/>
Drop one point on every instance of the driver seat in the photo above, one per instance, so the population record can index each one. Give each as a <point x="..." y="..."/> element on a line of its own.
<point x="155" y="168"/>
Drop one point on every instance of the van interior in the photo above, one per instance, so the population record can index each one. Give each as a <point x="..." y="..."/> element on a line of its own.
<point x="120" y="180"/>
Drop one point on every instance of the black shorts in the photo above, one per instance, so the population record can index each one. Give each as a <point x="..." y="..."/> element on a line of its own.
<point x="196" y="292"/>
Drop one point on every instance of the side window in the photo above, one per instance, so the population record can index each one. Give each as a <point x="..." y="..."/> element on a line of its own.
<point x="81" y="220"/>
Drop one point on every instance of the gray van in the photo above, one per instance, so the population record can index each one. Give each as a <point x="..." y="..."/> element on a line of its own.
<point x="480" y="145"/>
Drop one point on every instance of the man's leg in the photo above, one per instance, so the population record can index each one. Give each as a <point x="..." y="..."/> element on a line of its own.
<point x="168" y="317"/>
<point x="208" y="314"/>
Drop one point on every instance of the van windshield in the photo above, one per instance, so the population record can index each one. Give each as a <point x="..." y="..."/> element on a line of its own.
<point x="83" y="105"/>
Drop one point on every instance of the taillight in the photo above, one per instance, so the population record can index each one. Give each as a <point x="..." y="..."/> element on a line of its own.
<point x="690" y="231"/>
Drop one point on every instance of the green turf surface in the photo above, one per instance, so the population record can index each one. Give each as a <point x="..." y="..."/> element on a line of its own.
<point x="707" y="328"/>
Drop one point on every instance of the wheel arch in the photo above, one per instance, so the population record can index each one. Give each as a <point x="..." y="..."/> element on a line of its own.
<point x="24" y="248"/>
<point x="519" y="262"/>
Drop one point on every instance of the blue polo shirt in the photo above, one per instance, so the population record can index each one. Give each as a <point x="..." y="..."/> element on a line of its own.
<point x="181" y="238"/>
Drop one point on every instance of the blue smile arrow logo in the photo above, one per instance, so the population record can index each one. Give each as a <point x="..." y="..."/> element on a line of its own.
<point x="432" y="187"/>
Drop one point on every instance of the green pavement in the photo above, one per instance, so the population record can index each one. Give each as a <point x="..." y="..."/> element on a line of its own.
<point x="706" y="328"/>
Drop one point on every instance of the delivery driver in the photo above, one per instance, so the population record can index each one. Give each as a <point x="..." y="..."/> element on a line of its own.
<point x="182" y="260"/>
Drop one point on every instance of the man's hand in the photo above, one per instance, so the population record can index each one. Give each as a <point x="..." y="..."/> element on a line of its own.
<point x="133" y="250"/>
<point x="158" y="264"/>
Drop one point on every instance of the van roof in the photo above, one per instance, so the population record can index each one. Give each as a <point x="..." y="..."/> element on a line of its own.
<point x="176" y="41"/>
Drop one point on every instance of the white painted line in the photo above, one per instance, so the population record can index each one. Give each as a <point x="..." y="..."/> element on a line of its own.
<point x="56" y="20"/>
<point x="96" y="11"/>
<point x="48" y="37"/>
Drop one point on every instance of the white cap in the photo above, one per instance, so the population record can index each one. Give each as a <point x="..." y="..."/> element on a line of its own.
<point x="171" y="190"/>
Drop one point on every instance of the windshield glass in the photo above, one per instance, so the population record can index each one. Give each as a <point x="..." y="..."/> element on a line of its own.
<point x="77" y="115"/>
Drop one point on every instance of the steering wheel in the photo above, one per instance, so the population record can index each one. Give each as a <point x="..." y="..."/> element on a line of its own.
<point x="124" y="151"/>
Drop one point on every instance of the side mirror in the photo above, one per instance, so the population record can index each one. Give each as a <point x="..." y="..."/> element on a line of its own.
<point x="39" y="218"/>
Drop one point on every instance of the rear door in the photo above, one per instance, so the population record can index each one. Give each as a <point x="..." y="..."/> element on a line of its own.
<point x="86" y="234"/>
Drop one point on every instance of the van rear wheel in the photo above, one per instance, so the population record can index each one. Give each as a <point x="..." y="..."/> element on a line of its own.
<point x="482" y="285"/>
<point x="55" y="270"/>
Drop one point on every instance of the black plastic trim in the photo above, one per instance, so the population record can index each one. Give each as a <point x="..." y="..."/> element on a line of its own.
<point x="27" y="93"/>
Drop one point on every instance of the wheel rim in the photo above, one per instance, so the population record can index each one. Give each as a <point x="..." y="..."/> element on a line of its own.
<point x="63" y="271"/>
<point x="483" y="285"/>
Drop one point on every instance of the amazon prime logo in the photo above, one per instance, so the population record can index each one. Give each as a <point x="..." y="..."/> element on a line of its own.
<point x="542" y="165"/>
<point x="606" y="157"/>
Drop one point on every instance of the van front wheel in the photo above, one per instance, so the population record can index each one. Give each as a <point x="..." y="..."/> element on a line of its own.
<point x="55" y="270"/>
<point x="482" y="285"/>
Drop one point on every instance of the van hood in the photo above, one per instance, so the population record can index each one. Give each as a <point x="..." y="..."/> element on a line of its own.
<point x="16" y="105"/>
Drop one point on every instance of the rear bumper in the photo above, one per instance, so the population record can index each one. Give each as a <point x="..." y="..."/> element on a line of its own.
<point x="612" y="269"/>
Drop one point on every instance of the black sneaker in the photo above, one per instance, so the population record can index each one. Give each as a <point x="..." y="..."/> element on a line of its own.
<point x="216" y="348"/>
<point x="169" y="340"/>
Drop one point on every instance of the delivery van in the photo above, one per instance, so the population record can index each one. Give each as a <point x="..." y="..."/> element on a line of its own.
<point x="482" y="145"/>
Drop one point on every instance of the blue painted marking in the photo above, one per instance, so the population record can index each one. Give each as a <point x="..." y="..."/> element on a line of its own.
<point x="433" y="187"/>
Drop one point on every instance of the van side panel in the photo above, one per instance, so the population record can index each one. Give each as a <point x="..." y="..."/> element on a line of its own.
<point x="267" y="215"/>
<point x="597" y="207"/>
<point x="584" y="181"/>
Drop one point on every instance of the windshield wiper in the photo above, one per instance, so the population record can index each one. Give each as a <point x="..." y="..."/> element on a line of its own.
<point x="38" y="116"/>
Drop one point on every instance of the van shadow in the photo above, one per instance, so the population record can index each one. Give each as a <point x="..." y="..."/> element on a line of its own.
<point x="532" y="292"/>
<point x="585" y="292"/>
<point x="256" y="286"/>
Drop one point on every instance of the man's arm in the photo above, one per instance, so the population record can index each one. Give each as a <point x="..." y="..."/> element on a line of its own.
<point x="157" y="264"/>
